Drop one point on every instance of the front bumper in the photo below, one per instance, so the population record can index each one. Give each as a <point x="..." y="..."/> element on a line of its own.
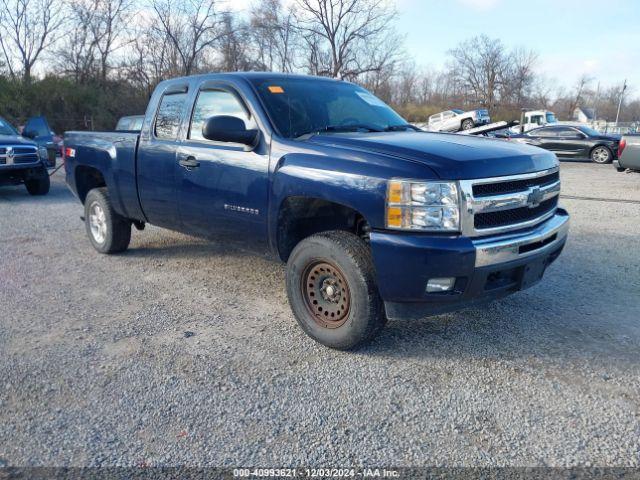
<point x="13" y="174"/>
<point x="485" y="268"/>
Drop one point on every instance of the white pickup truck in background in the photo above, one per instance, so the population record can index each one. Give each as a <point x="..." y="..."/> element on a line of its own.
<point x="458" y="120"/>
<point x="534" y="119"/>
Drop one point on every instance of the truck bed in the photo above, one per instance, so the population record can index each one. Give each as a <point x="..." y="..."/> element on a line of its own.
<point x="113" y="155"/>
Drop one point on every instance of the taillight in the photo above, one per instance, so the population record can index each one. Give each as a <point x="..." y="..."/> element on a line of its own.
<point x="621" y="147"/>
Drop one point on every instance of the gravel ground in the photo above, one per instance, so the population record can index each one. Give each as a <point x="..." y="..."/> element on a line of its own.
<point x="185" y="352"/>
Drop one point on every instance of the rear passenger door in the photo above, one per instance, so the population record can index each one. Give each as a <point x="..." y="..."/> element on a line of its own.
<point x="226" y="193"/>
<point x="157" y="163"/>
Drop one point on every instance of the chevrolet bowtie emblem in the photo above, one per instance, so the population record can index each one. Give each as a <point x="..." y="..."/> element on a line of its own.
<point x="535" y="197"/>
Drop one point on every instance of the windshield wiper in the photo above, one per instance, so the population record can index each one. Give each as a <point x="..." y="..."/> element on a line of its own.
<point x="400" y="128"/>
<point x="353" y="127"/>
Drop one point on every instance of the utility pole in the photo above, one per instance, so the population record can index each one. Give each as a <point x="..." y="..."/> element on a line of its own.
<point x="624" y="87"/>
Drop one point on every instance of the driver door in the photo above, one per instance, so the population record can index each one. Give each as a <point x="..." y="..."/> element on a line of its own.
<point x="222" y="187"/>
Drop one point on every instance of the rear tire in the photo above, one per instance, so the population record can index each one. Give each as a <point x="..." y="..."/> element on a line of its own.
<point x="38" y="185"/>
<point x="467" y="124"/>
<point x="332" y="290"/>
<point x="601" y="155"/>
<point x="107" y="231"/>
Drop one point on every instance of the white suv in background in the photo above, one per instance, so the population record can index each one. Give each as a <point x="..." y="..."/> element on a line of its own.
<point x="456" y="120"/>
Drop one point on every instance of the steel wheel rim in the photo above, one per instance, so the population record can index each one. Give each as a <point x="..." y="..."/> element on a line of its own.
<point x="97" y="222"/>
<point x="600" y="155"/>
<point x="326" y="294"/>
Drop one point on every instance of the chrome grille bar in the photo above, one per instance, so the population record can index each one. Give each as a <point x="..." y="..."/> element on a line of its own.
<point x="525" y="197"/>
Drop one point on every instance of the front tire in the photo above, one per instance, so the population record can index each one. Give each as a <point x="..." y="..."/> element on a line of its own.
<point x="332" y="290"/>
<point x="601" y="155"/>
<point x="467" y="124"/>
<point x="107" y="231"/>
<point x="38" y="185"/>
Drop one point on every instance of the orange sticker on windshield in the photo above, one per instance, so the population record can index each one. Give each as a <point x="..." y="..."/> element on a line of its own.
<point x="276" y="89"/>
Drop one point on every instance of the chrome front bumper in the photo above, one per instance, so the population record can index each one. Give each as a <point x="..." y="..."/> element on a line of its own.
<point x="507" y="248"/>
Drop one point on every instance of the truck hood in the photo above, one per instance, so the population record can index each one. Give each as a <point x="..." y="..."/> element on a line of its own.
<point x="15" y="140"/>
<point x="451" y="156"/>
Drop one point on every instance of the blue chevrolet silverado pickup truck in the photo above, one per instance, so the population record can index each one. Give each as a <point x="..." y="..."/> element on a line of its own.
<point x="375" y="219"/>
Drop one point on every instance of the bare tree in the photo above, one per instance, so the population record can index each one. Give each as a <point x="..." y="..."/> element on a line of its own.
<point x="579" y="92"/>
<point x="190" y="27"/>
<point x="347" y="38"/>
<point x="519" y="75"/>
<point x="275" y="35"/>
<point x="233" y="45"/>
<point x="28" y="28"/>
<point x="107" y="29"/>
<point x="481" y="63"/>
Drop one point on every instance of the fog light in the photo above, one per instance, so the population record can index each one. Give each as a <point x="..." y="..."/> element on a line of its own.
<point x="440" y="284"/>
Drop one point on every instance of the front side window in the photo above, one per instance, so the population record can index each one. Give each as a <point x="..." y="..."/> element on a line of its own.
<point x="299" y="106"/>
<point x="212" y="103"/>
<point x="169" y="116"/>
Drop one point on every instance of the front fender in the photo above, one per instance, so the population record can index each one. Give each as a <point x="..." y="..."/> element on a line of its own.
<point x="310" y="176"/>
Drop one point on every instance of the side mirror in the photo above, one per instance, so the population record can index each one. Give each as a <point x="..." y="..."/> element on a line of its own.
<point x="29" y="134"/>
<point x="224" y="128"/>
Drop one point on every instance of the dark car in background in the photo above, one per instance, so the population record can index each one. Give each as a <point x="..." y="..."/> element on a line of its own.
<point x="131" y="123"/>
<point x="38" y="130"/>
<point x="22" y="161"/>
<point x="572" y="142"/>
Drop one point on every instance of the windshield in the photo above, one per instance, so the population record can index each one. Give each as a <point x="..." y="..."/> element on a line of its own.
<point x="457" y="110"/>
<point x="589" y="131"/>
<point x="298" y="106"/>
<point x="6" y="128"/>
<point x="551" y="118"/>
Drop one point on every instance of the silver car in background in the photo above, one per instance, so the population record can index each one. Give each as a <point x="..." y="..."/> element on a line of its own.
<point x="457" y="120"/>
<point x="628" y="153"/>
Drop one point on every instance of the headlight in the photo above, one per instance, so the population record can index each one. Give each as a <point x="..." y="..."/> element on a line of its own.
<point x="43" y="153"/>
<point x="427" y="206"/>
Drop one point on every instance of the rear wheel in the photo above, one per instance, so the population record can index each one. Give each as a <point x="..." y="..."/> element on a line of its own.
<point x="107" y="231"/>
<point x="332" y="290"/>
<point x="467" y="124"/>
<point x="601" y="155"/>
<point x="39" y="185"/>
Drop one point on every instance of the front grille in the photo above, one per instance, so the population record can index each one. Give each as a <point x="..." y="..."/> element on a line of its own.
<point x="18" y="150"/>
<point x="514" y="216"/>
<point x="27" y="158"/>
<point x="487" y="189"/>
<point x="19" y="154"/>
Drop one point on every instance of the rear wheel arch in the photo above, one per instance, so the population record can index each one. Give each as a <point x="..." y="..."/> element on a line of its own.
<point x="88" y="178"/>
<point x="601" y="145"/>
<point x="300" y="217"/>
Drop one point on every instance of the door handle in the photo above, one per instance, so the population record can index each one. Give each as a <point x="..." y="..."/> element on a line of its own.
<point x="189" y="163"/>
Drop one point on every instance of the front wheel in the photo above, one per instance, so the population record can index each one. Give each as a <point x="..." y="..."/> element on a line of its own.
<point x="467" y="124"/>
<point x="601" y="155"/>
<point x="38" y="185"/>
<point x="332" y="290"/>
<point x="107" y="231"/>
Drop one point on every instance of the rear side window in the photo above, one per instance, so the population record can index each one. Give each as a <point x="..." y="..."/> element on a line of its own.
<point x="545" y="132"/>
<point x="136" y="123"/>
<point x="169" y="116"/>
<point x="123" y="124"/>
<point x="212" y="103"/>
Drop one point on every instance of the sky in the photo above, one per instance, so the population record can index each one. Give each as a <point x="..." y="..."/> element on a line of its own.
<point x="572" y="37"/>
